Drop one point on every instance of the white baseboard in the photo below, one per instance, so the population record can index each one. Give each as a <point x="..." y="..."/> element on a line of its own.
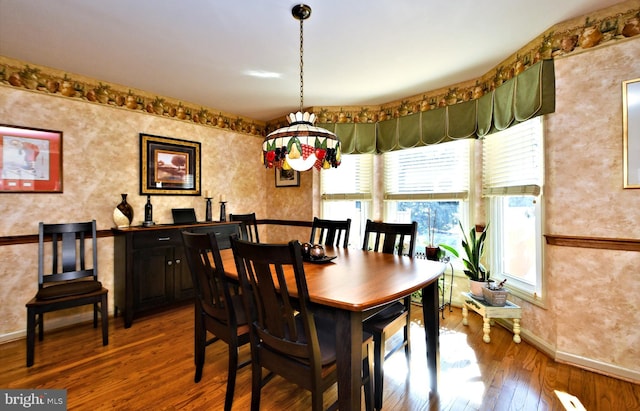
<point x="51" y="324"/>
<point x="599" y="367"/>
<point x="589" y="364"/>
<point x="16" y="335"/>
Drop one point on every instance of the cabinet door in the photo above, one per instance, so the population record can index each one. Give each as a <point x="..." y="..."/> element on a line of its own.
<point x="183" y="284"/>
<point x="154" y="277"/>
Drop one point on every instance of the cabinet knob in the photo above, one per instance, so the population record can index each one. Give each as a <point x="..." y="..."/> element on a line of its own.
<point x="178" y="261"/>
<point x="169" y="262"/>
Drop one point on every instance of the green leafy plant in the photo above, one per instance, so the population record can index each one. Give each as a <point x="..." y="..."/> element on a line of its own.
<point x="473" y="246"/>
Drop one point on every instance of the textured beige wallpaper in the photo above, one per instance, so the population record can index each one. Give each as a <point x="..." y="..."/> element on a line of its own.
<point x="592" y="293"/>
<point x="101" y="161"/>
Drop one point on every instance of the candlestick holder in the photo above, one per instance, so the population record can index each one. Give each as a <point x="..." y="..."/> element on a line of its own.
<point x="223" y="211"/>
<point x="208" y="216"/>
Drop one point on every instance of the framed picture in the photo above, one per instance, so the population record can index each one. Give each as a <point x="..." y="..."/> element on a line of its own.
<point x="169" y="166"/>
<point x="631" y="131"/>
<point x="287" y="178"/>
<point x="30" y="160"/>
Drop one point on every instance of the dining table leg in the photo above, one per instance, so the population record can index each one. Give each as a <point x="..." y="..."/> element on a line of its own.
<point x="430" y="311"/>
<point x="349" y="358"/>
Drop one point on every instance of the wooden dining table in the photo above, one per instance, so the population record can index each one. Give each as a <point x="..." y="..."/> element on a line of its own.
<point x="354" y="286"/>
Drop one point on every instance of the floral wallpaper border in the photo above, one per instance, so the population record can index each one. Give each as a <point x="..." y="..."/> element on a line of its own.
<point x="572" y="36"/>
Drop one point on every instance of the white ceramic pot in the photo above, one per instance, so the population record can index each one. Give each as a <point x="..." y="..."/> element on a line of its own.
<point x="476" y="287"/>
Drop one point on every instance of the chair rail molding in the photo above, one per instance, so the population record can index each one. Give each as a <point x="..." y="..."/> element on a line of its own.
<point x="623" y="244"/>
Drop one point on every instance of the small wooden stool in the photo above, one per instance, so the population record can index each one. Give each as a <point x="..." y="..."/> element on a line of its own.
<point x="489" y="312"/>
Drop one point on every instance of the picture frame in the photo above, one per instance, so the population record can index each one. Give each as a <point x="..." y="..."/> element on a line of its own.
<point x="169" y="166"/>
<point x="631" y="132"/>
<point x="30" y="160"/>
<point x="287" y="178"/>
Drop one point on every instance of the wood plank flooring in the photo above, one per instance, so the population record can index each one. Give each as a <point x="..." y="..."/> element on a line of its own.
<point x="150" y="367"/>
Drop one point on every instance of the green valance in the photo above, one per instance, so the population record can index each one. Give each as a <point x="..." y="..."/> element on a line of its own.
<point x="355" y="138"/>
<point x="535" y="91"/>
<point x="414" y="130"/>
<point x="485" y="114"/>
<point x="387" y="135"/>
<point x="527" y="95"/>
<point x="434" y="126"/>
<point x="503" y="104"/>
<point x="461" y="120"/>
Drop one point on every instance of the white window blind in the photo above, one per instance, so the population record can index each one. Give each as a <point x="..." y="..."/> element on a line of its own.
<point x="352" y="180"/>
<point x="513" y="160"/>
<point x="439" y="171"/>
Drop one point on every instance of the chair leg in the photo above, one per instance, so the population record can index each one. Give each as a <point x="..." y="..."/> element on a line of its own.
<point x="104" y="314"/>
<point x="231" y="376"/>
<point x="31" y="336"/>
<point x="40" y="318"/>
<point x="256" y="385"/>
<point x="407" y="331"/>
<point x="316" y="400"/>
<point x="367" y="367"/>
<point x="95" y="315"/>
<point x="200" y="342"/>
<point x="378" y="372"/>
<point x="407" y="345"/>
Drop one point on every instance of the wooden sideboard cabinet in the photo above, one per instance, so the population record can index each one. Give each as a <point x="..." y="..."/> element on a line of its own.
<point x="150" y="268"/>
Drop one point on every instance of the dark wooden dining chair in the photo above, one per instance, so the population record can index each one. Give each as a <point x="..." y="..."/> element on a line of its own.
<point x="248" y="226"/>
<point x="390" y="238"/>
<point x="217" y="310"/>
<point x="72" y="281"/>
<point x="287" y="337"/>
<point x="330" y="232"/>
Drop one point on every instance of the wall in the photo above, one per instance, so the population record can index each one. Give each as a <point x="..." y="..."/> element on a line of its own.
<point x="592" y="292"/>
<point x="100" y="161"/>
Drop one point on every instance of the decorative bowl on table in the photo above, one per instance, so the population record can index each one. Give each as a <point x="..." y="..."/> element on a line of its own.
<point x="314" y="253"/>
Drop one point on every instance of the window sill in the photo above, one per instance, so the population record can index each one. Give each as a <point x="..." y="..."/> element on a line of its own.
<point x="528" y="297"/>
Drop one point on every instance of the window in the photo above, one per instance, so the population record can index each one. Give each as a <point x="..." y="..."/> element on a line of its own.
<point x="429" y="185"/>
<point x="513" y="174"/>
<point x="347" y="193"/>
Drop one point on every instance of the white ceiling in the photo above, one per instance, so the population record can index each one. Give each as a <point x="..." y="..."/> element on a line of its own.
<point x="356" y="52"/>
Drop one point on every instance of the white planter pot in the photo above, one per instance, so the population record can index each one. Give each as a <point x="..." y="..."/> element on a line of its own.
<point x="476" y="287"/>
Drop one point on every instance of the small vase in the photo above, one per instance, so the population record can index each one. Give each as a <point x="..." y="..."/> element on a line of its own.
<point x="432" y="253"/>
<point x="123" y="213"/>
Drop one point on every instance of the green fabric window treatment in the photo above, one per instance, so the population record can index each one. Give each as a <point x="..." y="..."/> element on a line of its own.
<point x="529" y="94"/>
<point x="355" y="138"/>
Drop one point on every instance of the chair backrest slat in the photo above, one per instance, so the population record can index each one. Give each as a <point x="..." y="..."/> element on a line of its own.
<point x="67" y="252"/>
<point x="209" y="279"/>
<point x="276" y="321"/>
<point x="393" y="236"/>
<point x="330" y="232"/>
<point x="248" y="226"/>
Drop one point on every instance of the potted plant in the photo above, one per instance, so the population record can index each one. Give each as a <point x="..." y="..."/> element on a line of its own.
<point x="495" y="294"/>
<point x="473" y="246"/>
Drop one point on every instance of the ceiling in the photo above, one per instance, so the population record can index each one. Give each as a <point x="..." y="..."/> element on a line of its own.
<point x="242" y="57"/>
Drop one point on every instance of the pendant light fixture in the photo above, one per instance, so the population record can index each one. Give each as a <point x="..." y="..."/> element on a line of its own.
<point x="301" y="145"/>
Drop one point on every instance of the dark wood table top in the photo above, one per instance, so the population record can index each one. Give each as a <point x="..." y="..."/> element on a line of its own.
<point x="358" y="280"/>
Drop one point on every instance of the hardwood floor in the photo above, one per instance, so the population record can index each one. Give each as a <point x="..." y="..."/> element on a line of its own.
<point x="150" y="367"/>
